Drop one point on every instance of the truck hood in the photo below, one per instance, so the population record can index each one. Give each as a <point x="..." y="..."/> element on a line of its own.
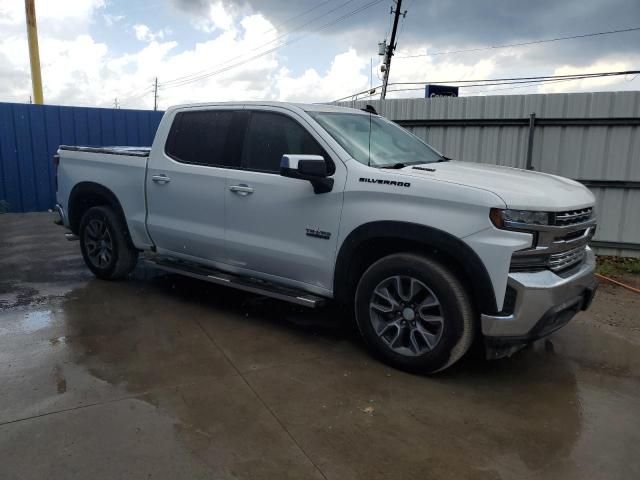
<point x="519" y="189"/>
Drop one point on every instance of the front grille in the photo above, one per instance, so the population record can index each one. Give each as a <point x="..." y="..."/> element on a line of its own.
<point x="571" y="217"/>
<point x="563" y="260"/>
<point x="558" y="246"/>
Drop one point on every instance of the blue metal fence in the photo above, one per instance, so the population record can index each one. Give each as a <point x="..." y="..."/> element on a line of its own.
<point x="31" y="134"/>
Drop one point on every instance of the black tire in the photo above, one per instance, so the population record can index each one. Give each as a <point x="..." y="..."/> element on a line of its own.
<point x="105" y="244"/>
<point x="431" y="338"/>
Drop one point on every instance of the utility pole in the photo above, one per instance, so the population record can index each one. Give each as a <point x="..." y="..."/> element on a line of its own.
<point x="115" y="103"/>
<point x="391" y="47"/>
<point x="155" y="95"/>
<point x="34" y="51"/>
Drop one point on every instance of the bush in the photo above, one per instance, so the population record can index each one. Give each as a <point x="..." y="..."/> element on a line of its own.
<point x="4" y="206"/>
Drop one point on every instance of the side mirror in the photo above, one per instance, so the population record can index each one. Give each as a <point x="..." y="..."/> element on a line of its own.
<point x="312" y="168"/>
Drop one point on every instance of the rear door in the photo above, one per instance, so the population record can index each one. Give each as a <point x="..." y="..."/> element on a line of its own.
<point x="276" y="226"/>
<point x="186" y="184"/>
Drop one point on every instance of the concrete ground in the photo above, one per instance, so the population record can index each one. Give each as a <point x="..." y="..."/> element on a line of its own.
<point x="167" y="377"/>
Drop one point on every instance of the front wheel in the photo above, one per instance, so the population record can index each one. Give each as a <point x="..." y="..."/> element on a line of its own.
<point x="414" y="313"/>
<point x="104" y="244"/>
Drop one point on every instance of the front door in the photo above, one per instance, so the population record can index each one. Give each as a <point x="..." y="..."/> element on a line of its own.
<point x="186" y="185"/>
<point x="276" y="226"/>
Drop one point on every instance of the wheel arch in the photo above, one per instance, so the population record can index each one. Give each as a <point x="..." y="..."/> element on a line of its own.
<point x="85" y="195"/>
<point x="371" y="241"/>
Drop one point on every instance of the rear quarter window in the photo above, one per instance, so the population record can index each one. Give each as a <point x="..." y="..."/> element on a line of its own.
<point x="199" y="137"/>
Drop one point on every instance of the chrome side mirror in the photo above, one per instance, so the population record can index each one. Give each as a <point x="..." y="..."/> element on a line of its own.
<point x="312" y="168"/>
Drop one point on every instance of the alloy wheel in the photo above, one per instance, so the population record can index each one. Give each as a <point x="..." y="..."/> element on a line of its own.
<point x="406" y="315"/>
<point x="98" y="243"/>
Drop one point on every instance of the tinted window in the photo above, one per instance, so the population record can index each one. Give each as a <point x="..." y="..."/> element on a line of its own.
<point x="199" y="137"/>
<point x="269" y="136"/>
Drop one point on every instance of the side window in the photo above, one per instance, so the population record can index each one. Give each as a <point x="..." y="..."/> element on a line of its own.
<point x="199" y="137"/>
<point x="271" y="135"/>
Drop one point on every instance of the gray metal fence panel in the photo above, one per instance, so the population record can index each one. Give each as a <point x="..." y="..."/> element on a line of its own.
<point x="591" y="137"/>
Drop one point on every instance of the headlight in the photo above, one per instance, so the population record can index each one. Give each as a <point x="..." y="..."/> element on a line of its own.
<point x="514" y="218"/>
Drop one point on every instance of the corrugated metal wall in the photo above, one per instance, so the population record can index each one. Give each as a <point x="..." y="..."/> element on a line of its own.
<point x="594" y="152"/>
<point x="31" y="134"/>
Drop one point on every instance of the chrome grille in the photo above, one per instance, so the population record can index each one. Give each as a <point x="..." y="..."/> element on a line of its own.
<point x="572" y="217"/>
<point x="563" y="260"/>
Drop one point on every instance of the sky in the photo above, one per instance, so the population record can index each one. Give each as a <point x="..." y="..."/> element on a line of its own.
<point x="96" y="51"/>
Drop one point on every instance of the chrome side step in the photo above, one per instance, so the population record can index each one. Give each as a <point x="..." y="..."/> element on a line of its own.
<point x="247" y="284"/>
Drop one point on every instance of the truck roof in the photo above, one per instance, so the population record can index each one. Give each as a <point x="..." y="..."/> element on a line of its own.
<point x="307" y="107"/>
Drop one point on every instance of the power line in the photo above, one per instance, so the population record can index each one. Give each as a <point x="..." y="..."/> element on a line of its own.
<point x="266" y="52"/>
<point x="279" y="37"/>
<point x="529" y="83"/>
<point x="135" y="93"/>
<point x="302" y="14"/>
<point x="539" y="82"/>
<point x="423" y="82"/>
<point x="598" y="74"/>
<point x="535" y="42"/>
<point x="141" y="94"/>
<point x="495" y="81"/>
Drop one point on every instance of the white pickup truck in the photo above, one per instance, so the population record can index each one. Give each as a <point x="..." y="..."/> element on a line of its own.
<point x="312" y="203"/>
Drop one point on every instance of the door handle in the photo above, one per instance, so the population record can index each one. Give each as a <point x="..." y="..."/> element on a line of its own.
<point x="241" y="189"/>
<point x="161" y="179"/>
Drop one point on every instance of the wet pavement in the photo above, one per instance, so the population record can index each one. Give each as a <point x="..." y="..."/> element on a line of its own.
<point x="167" y="377"/>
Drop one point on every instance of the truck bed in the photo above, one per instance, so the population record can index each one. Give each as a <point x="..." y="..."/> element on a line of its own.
<point x="121" y="170"/>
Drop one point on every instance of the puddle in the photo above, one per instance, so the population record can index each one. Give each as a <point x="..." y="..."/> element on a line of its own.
<point x="34" y="321"/>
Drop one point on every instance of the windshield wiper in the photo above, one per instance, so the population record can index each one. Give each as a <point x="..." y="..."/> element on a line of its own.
<point x="444" y="158"/>
<point x="394" y="166"/>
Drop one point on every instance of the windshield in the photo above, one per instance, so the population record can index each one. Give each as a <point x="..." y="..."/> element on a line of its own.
<point x="376" y="141"/>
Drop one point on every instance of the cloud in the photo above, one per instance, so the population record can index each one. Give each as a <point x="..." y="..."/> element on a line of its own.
<point x="217" y="17"/>
<point x="348" y="73"/>
<point x="594" y="84"/>
<point x="192" y="6"/>
<point x="457" y="24"/>
<point x="81" y="67"/>
<point x="111" y="19"/>
<point x="144" y="33"/>
<point x="12" y="11"/>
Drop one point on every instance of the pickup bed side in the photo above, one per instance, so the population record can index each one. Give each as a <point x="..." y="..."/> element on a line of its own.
<point x="89" y="177"/>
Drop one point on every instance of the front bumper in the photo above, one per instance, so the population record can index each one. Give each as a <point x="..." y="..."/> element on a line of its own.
<point x="544" y="302"/>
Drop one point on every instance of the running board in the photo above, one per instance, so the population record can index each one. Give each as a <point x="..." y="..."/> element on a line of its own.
<point x="252" y="285"/>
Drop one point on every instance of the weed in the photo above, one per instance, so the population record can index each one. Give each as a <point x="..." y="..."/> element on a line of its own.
<point x="614" y="266"/>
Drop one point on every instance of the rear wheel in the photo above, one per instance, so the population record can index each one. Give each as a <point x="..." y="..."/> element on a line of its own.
<point x="414" y="313"/>
<point x="104" y="244"/>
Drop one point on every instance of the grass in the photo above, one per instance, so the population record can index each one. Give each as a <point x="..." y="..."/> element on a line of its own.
<point x="617" y="266"/>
